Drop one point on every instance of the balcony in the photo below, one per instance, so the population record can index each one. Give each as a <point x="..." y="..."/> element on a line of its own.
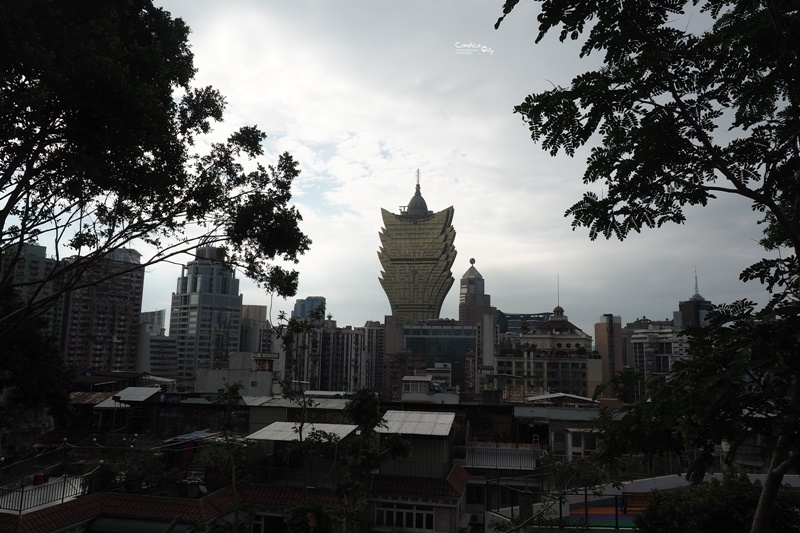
<point x="497" y="455"/>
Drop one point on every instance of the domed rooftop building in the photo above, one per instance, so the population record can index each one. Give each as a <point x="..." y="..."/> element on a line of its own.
<point x="559" y="336"/>
<point x="555" y="356"/>
<point x="416" y="256"/>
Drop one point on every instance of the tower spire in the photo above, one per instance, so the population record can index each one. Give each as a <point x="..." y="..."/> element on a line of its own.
<point x="696" y="295"/>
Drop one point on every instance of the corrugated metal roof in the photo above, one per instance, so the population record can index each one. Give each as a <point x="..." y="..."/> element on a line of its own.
<point x="286" y="431"/>
<point x="137" y="394"/>
<point x="111" y="404"/>
<point x="554" y="395"/>
<point x="418" y="423"/>
<point x="196" y="401"/>
<point x="88" y="398"/>
<point x="255" y="401"/>
<point x="127" y="396"/>
<point x="279" y="401"/>
<point x="196" y="435"/>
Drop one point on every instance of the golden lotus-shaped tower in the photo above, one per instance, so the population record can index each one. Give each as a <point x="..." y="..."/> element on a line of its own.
<point x="416" y="256"/>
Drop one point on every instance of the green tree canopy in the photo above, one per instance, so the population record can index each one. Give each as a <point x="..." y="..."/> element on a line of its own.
<point x="675" y="118"/>
<point x="32" y="372"/>
<point x="726" y="504"/>
<point x="103" y="145"/>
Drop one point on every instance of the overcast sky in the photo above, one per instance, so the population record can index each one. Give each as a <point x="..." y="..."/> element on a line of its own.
<point x="364" y="93"/>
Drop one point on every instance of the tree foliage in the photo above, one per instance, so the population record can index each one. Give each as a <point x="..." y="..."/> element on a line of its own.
<point x="103" y="144"/>
<point x="728" y="391"/>
<point x="675" y="118"/>
<point x="726" y="505"/>
<point x="680" y="116"/>
<point x="32" y="372"/>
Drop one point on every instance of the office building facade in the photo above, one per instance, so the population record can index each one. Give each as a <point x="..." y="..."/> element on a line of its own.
<point x="692" y="312"/>
<point x="473" y="302"/>
<point x="206" y="314"/>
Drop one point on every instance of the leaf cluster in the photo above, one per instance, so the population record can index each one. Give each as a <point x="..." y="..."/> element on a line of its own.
<point x="32" y="371"/>
<point x="735" y="387"/>
<point x="102" y="146"/>
<point x="675" y="116"/>
<point x="727" y="505"/>
<point x="309" y="517"/>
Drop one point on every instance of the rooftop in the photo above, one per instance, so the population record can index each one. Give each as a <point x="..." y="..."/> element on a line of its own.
<point x="418" y="423"/>
<point x="288" y="431"/>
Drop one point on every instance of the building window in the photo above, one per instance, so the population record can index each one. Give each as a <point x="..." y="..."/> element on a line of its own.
<point x="408" y="516"/>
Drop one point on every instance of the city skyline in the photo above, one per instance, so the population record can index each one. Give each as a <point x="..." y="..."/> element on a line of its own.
<point x="364" y="94"/>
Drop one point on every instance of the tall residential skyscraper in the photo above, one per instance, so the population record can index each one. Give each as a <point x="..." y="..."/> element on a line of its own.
<point x="416" y="256"/>
<point x="206" y="314"/>
<point x="100" y="323"/>
<point x="303" y="308"/>
<point x="29" y="270"/>
<point x="608" y="342"/>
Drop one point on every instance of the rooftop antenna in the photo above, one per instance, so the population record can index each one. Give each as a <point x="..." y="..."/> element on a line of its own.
<point x="558" y="290"/>
<point x="417" y="177"/>
<point x="696" y="290"/>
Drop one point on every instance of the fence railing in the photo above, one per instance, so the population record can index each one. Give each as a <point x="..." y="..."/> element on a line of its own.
<point x="500" y="456"/>
<point x="26" y="467"/>
<point x="54" y="490"/>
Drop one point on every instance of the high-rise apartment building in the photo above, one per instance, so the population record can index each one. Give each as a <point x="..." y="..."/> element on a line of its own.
<point x="29" y="270"/>
<point x="305" y="307"/>
<point x="373" y="349"/>
<point x="608" y="343"/>
<point x="206" y="314"/>
<point x="100" y="323"/>
<point x="654" y="350"/>
<point x="416" y="256"/>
